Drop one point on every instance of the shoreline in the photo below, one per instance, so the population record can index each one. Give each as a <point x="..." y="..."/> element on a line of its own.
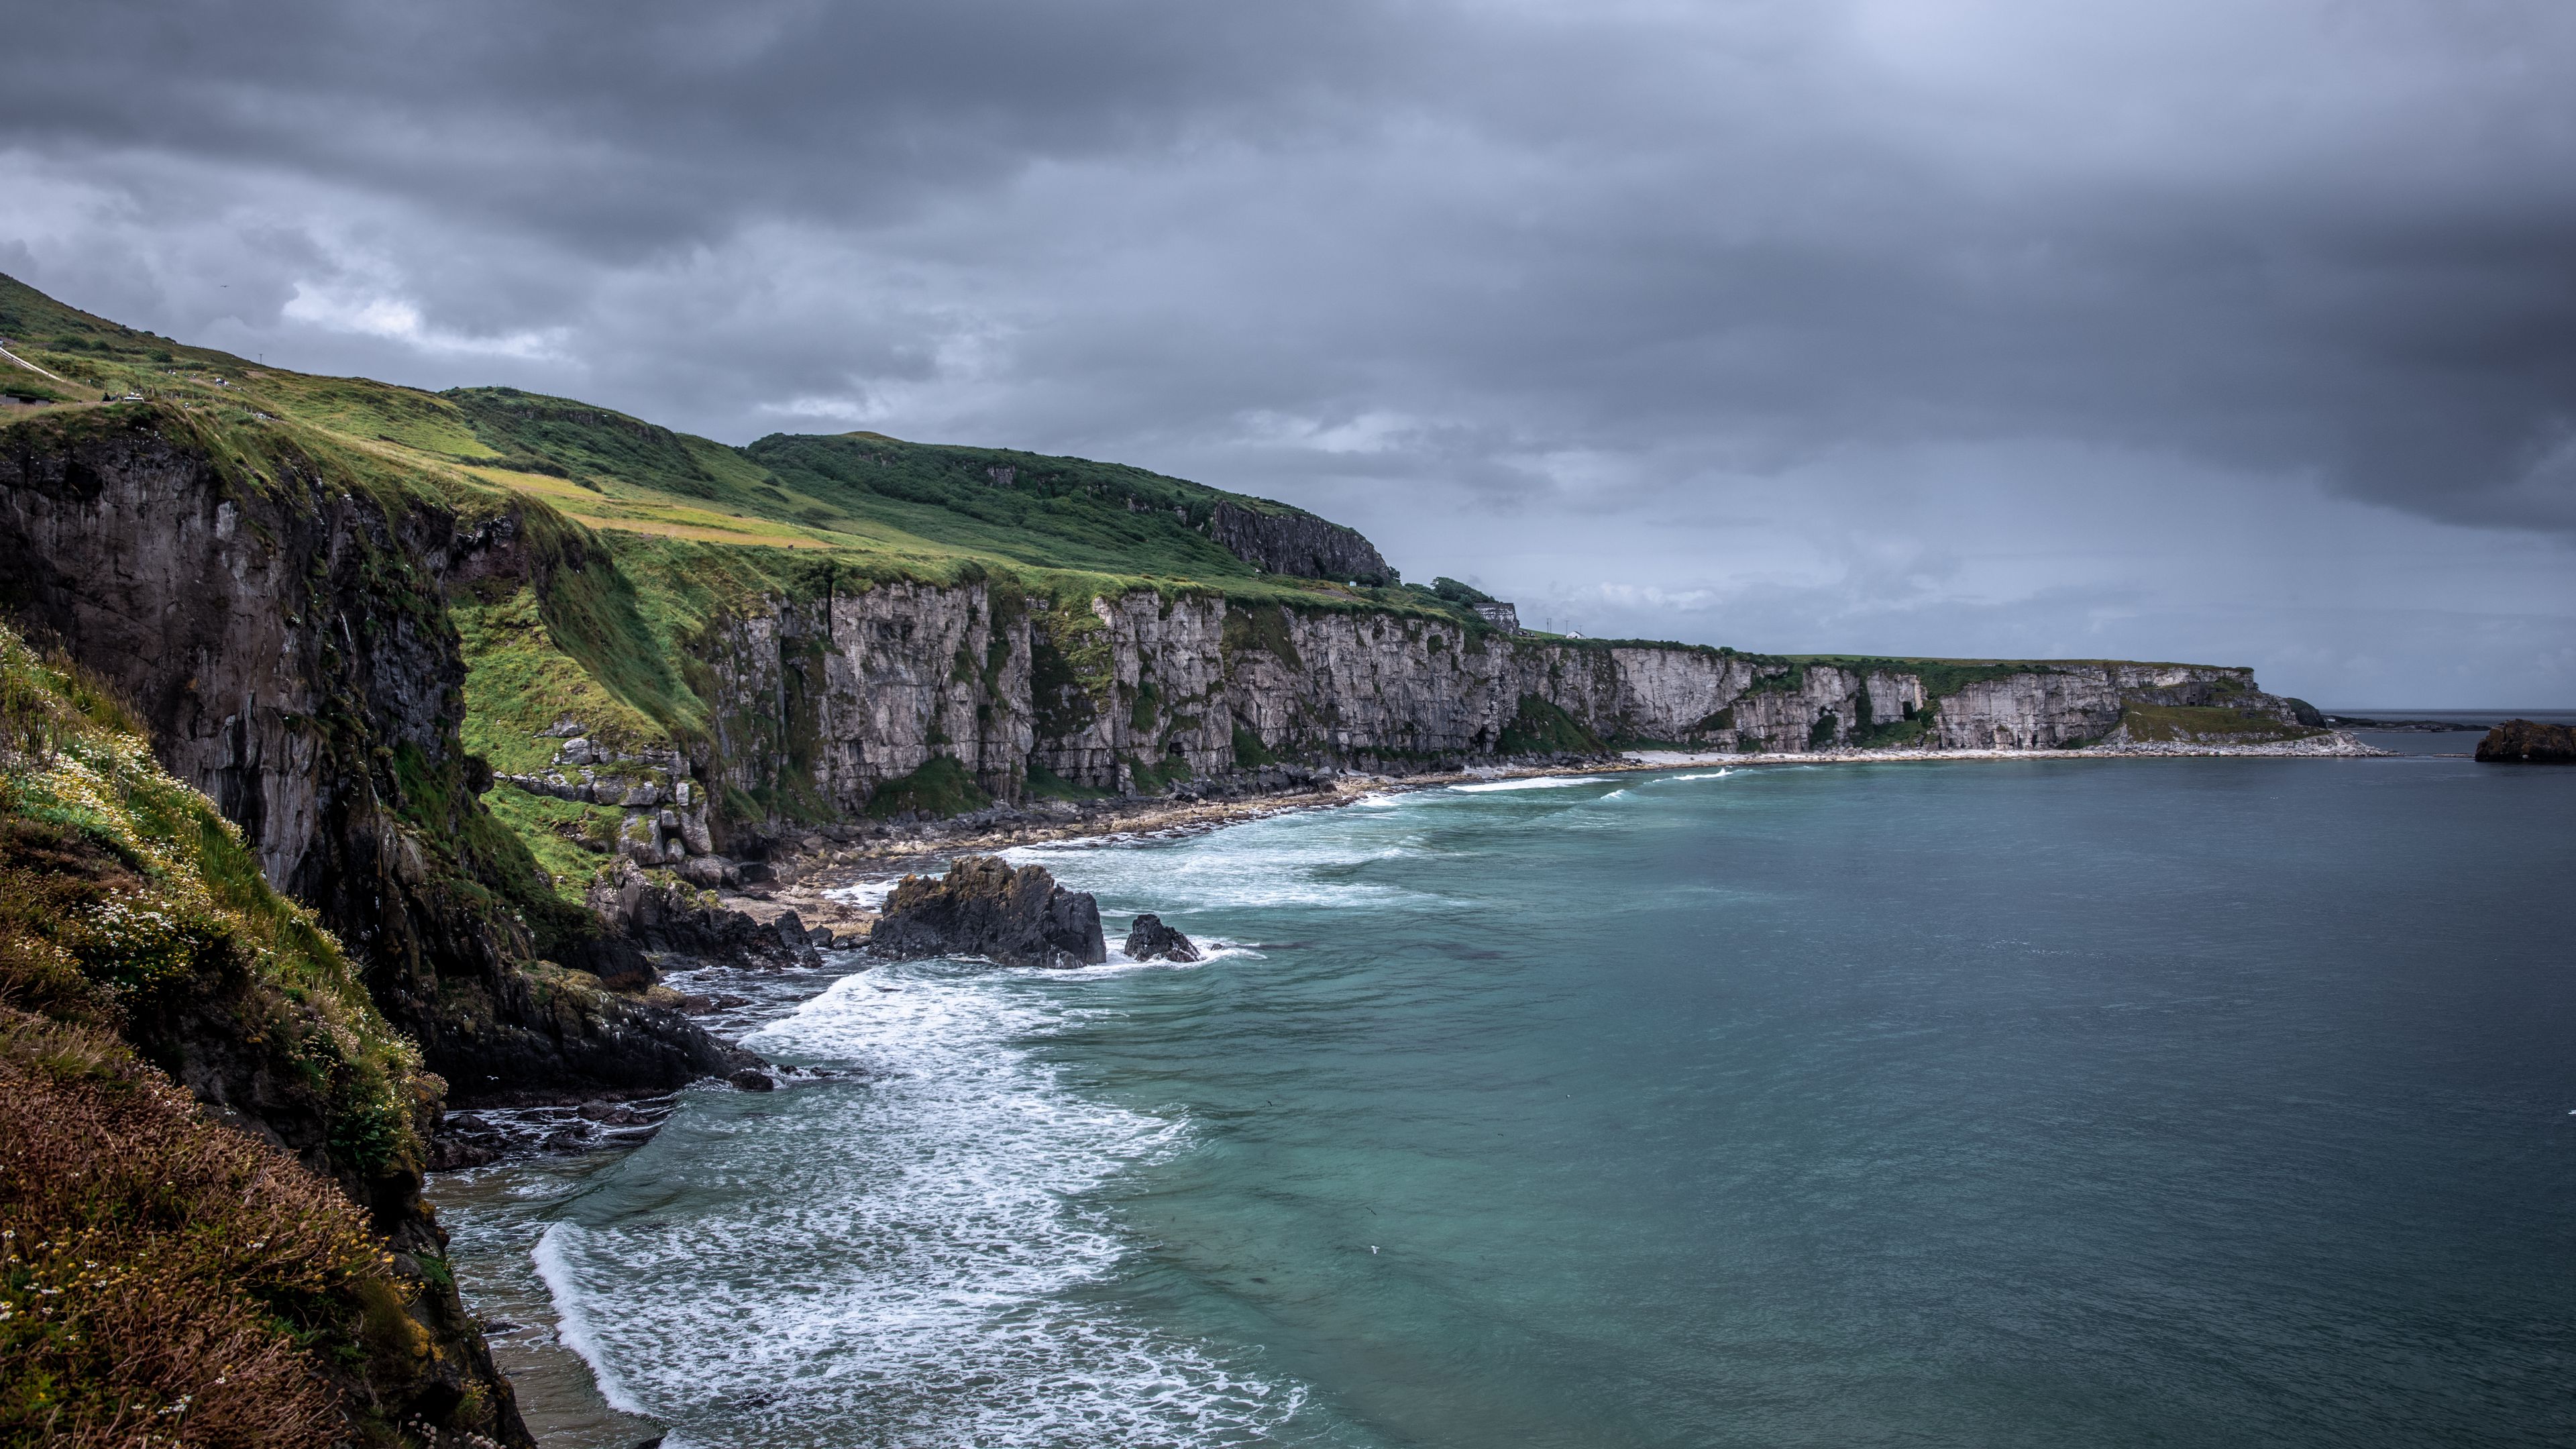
<point x="821" y="871"/>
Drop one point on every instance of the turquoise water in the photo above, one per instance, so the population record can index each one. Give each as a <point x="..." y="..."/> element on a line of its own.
<point x="2160" y="1102"/>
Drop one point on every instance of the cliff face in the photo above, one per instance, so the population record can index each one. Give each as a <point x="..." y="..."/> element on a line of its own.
<point x="284" y="636"/>
<point x="1298" y="543"/>
<point x="836" y="697"/>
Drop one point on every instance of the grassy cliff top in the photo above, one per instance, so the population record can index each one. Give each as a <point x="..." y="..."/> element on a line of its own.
<point x="877" y="506"/>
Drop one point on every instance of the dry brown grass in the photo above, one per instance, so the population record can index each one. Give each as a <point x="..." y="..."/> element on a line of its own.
<point x="163" y="1279"/>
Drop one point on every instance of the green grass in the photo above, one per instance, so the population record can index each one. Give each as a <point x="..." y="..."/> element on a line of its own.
<point x="1156" y="776"/>
<point x="1540" y="728"/>
<point x="2206" y="724"/>
<point x="1046" y="784"/>
<point x="940" y="788"/>
<point x="1249" y="752"/>
<point x="183" y="896"/>
<point x="546" y="825"/>
<point x="519" y="681"/>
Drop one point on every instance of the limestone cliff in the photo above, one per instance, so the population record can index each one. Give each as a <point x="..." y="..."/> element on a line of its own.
<point x="828" y="700"/>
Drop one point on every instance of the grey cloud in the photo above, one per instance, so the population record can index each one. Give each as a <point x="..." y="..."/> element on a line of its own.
<point x="1579" y="269"/>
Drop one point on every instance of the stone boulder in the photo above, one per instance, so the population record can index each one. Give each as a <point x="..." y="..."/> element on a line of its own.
<point x="1150" y="940"/>
<point x="983" y="907"/>
<point x="678" y="921"/>
<point x="2522" y="741"/>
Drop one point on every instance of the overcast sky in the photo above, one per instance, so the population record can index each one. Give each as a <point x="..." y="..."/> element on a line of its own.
<point x="2239" y="331"/>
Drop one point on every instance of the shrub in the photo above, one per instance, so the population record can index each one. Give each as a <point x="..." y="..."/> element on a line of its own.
<point x="1249" y="752"/>
<point x="1541" y="728"/>
<point x="940" y="788"/>
<point x="162" y="1278"/>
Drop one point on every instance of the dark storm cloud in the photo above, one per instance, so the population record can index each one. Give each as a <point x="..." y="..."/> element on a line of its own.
<point x="1725" y="267"/>
<point x="637" y="125"/>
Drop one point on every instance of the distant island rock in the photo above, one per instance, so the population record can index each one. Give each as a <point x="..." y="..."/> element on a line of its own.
<point x="983" y="907"/>
<point x="2529" y="742"/>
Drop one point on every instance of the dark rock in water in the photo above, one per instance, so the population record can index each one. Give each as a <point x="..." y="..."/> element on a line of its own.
<point x="752" y="1081"/>
<point x="1150" y="940"/>
<point x="2522" y="741"/>
<point x="984" y="908"/>
<point x="796" y="941"/>
<point x="822" y="937"/>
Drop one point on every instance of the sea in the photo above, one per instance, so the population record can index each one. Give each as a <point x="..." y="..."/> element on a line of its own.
<point x="2112" y="1102"/>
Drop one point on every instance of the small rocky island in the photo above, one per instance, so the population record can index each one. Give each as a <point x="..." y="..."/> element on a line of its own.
<point x="983" y="907"/>
<point x="2528" y="742"/>
<point x="1150" y="940"/>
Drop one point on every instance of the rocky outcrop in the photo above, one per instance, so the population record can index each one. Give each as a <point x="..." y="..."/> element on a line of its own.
<point x="670" y="920"/>
<point x="983" y="907"/>
<point x="1290" y="542"/>
<point x="283" y="634"/>
<point x="1150" y="940"/>
<point x="2529" y="742"/>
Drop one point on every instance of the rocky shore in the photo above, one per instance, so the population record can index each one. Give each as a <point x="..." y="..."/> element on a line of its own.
<point x="820" y="880"/>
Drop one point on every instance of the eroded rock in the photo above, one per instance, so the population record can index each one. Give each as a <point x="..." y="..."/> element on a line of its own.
<point x="983" y="907"/>
<point x="1150" y="940"/>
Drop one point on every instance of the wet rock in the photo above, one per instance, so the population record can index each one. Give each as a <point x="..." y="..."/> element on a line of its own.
<point x="1150" y="940"/>
<point x="796" y="941"/>
<point x="2529" y="742"/>
<point x="983" y="907"/>
<point x="750" y="1080"/>
<point x="822" y="937"/>
<point x="679" y="921"/>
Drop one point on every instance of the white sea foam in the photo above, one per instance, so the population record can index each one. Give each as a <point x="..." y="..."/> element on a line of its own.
<point x="1293" y="860"/>
<point x="1210" y="952"/>
<point x="867" y="895"/>
<point x="1709" y="775"/>
<point x="900" y="1263"/>
<point x="1543" y="782"/>
<point x="572" y="1317"/>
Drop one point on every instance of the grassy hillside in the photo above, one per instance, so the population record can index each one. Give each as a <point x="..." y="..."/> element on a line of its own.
<point x="784" y="513"/>
<point x="906" y="509"/>
<point x="164" y="1278"/>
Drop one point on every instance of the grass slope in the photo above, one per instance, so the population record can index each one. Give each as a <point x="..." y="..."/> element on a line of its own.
<point x="163" y="1278"/>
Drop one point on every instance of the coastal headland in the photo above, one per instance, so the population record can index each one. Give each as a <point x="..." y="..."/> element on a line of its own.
<point x="449" y="676"/>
